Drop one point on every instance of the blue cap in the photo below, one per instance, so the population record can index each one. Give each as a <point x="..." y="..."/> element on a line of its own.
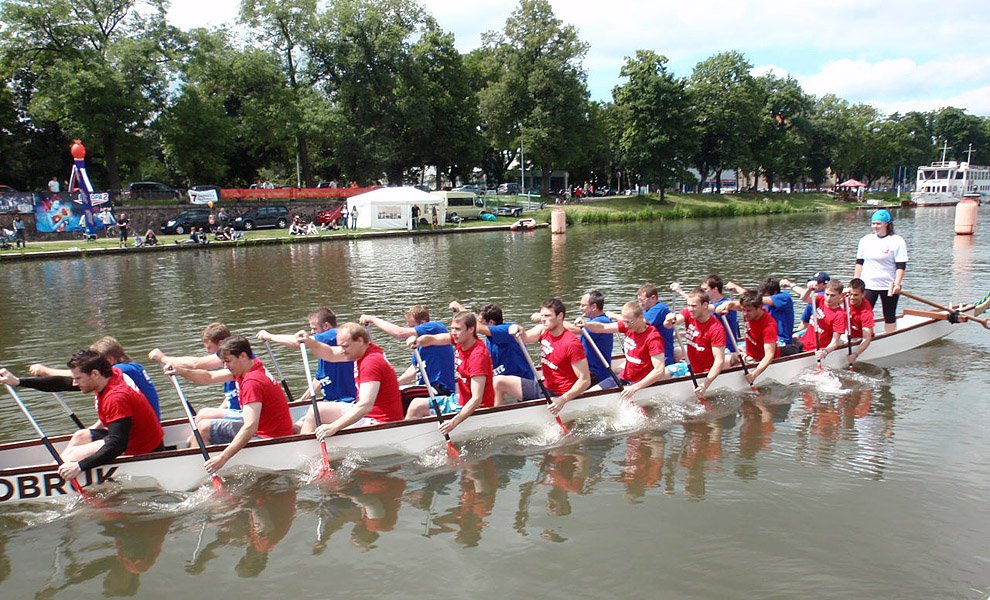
<point x="881" y="216"/>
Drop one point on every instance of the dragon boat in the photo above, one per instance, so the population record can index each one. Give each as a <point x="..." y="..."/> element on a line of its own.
<point x="28" y="472"/>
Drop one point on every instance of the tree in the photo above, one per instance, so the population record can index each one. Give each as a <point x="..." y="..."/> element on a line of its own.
<point x="960" y="131"/>
<point x="538" y="97"/>
<point x="284" y="26"/>
<point x="98" y="69"/>
<point x="782" y="143"/>
<point x="658" y="130"/>
<point x="446" y="135"/>
<point x="361" y="56"/>
<point x="726" y="100"/>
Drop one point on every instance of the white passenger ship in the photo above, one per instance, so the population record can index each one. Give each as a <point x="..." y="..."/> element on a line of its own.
<point x="943" y="183"/>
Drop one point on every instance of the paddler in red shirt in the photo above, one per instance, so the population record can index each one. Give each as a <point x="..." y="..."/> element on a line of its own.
<point x="378" y="396"/>
<point x="705" y="338"/>
<point x="129" y="424"/>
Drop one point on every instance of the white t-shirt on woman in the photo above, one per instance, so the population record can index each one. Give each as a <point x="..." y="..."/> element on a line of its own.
<point x="880" y="256"/>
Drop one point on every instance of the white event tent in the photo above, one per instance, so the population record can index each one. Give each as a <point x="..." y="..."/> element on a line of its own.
<point x="391" y="207"/>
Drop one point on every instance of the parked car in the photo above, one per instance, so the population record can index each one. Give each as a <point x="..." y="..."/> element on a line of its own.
<point x="183" y="222"/>
<point x="265" y="216"/>
<point x="473" y="189"/>
<point x="509" y="210"/>
<point x="508" y="188"/>
<point x="150" y="190"/>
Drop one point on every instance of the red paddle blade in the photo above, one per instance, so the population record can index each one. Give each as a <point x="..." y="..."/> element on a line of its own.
<point x="327" y="473"/>
<point x="217" y="483"/>
<point x="452" y="451"/>
<point x="563" y="427"/>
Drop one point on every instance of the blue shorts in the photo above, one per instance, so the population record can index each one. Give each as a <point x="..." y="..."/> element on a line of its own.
<point x="448" y="405"/>
<point x="222" y="431"/>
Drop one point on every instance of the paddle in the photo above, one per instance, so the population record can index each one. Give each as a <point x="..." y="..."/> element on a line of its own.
<point x="539" y="380"/>
<point x="217" y="482"/>
<point x="278" y="369"/>
<point x="951" y="311"/>
<point x="601" y="357"/>
<point x="451" y="450"/>
<point x="327" y="471"/>
<point x="72" y="415"/>
<point x="44" y="438"/>
<point x="849" y="330"/>
<point x="735" y="344"/>
<point x="814" y="323"/>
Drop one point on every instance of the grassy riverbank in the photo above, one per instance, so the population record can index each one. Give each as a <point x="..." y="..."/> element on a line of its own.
<point x="688" y="206"/>
<point x="616" y="209"/>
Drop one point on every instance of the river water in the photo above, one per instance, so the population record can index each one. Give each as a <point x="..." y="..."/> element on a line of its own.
<point x="876" y="492"/>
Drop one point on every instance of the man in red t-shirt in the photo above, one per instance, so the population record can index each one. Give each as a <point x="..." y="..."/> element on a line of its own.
<point x="378" y="396"/>
<point x="642" y="345"/>
<point x="263" y="403"/>
<point x="705" y="338"/>
<point x="565" y="365"/>
<point x="131" y="425"/>
<point x="761" y="332"/>
<point x="828" y="322"/>
<point x="860" y="318"/>
<point x="473" y="367"/>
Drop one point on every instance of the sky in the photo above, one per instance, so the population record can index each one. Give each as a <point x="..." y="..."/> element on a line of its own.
<point x="897" y="55"/>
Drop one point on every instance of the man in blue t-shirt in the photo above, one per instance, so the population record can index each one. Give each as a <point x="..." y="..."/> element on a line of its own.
<point x="507" y="356"/>
<point x="212" y="336"/>
<point x="439" y="359"/>
<point x="593" y="310"/>
<point x="655" y="312"/>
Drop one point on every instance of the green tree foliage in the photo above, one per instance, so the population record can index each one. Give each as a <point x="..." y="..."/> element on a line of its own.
<point x="658" y="132"/>
<point x="98" y="69"/>
<point x="284" y="27"/>
<point x="728" y="105"/>
<point x="538" y="95"/>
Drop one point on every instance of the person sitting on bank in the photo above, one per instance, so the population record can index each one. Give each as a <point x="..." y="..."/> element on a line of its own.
<point x="150" y="239"/>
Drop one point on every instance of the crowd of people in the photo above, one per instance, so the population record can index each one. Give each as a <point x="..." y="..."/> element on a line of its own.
<point x="480" y="361"/>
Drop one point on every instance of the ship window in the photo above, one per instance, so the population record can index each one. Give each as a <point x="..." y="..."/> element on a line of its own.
<point x="959" y="174"/>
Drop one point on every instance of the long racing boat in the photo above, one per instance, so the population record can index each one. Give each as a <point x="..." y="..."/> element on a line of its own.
<point x="28" y="472"/>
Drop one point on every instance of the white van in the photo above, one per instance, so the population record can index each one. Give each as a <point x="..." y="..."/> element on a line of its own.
<point x="463" y="204"/>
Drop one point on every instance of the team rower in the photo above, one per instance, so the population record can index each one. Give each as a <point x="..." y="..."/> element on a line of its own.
<point x="828" y="323"/>
<point x="705" y="338"/>
<point x="264" y="407"/>
<point x="378" y="396"/>
<point x="861" y="320"/>
<point x="565" y="365"/>
<point x="761" y="334"/>
<point x="126" y="422"/>
<point x="474" y="372"/>
<point x="643" y="347"/>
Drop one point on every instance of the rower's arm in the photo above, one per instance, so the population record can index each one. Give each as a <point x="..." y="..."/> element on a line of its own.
<point x="735" y="287"/>
<point x="209" y="362"/>
<point x="530" y="336"/>
<point x="40" y="370"/>
<point x="477" y="395"/>
<point x="597" y="327"/>
<point x="389" y="328"/>
<point x="252" y="416"/>
<point x="47" y="384"/>
<point x="718" y="352"/>
<point x="279" y="338"/>
<point x="583" y="381"/>
<point x="725" y="307"/>
<point x="438" y="339"/>
<point x="408" y="376"/>
<point x="658" y="373"/>
<point x="367" y="394"/>
<point x="118" y="436"/>
<point x="200" y="376"/>
<point x="769" y="352"/>
<point x="319" y="349"/>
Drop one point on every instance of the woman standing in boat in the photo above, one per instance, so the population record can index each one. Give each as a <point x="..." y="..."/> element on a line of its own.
<point x="880" y="262"/>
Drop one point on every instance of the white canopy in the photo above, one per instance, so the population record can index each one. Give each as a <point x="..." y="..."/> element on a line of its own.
<point x="391" y="207"/>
